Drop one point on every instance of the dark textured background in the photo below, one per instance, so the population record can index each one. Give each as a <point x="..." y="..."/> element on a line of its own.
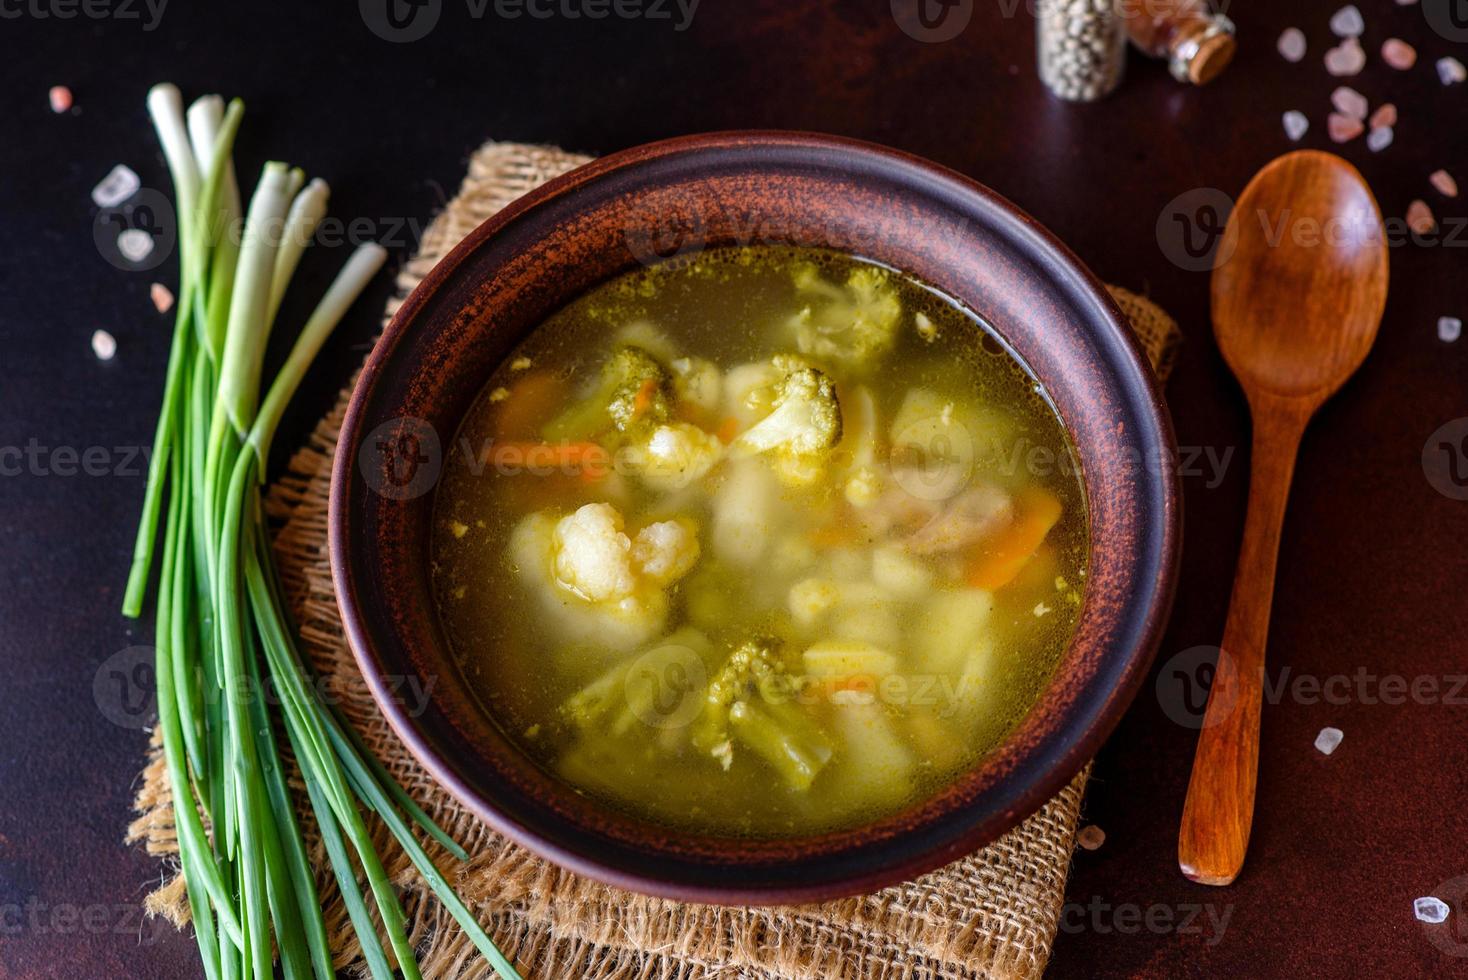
<point x="1373" y="564"/>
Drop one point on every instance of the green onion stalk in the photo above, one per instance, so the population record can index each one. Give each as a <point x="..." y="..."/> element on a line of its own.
<point x="224" y="637"/>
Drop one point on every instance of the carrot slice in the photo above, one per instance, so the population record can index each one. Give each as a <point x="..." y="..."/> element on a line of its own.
<point x="531" y="403"/>
<point x="642" y="401"/>
<point x="996" y="565"/>
<point x="727" y="430"/>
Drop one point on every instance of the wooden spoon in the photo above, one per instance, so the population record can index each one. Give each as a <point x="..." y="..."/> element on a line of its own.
<point x="1299" y="284"/>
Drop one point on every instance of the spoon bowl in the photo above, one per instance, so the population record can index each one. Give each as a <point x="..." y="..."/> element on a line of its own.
<point x="1298" y="293"/>
<point x="1297" y="303"/>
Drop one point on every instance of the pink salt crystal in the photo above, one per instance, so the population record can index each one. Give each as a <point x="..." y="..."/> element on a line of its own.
<point x="1398" y="53"/>
<point x="1343" y="129"/>
<point x="1450" y="71"/>
<point x="161" y="296"/>
<point x="1444" y="183"/>
<point x="1346" y="58"/>
<point x="1420" y="219"/>
<point x="1291" y="44"/>
<point x="1091" y="837"/>
<point x="1349" y="102"/>
<point x="1385" y="115"/>
<point x="61" y="100"/>
<point x="1347" y="22"/>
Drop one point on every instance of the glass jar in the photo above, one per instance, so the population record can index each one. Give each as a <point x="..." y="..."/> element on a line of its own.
<point x="1081" y="46"/>
<point x="1197" y="43"/>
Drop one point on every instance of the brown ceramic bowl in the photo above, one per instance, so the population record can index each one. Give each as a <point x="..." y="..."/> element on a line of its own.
<point x="603" y="219"/>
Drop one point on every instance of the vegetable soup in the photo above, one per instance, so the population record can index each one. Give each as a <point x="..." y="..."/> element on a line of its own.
<point x="764" y="541"/>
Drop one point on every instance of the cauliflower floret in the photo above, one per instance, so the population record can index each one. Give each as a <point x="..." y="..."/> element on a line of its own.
<point x="597" y="584"/>
<point x="675" y="455"/>
<point x="852" y="325"/>
<point x="699" y="382"/>
<point x="666" y="551"/>
<point x="750" y="390"/>
<point x="593" y="555"/>
<point x="806" y="418"/>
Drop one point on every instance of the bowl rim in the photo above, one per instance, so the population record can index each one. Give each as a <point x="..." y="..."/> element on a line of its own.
<point x="1085" y="732"/>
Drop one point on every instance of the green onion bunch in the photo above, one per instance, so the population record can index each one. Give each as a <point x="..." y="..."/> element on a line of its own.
<point x="222" y="631"/>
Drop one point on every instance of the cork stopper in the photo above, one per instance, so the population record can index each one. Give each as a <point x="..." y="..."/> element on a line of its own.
<point x="1211" y="58"/>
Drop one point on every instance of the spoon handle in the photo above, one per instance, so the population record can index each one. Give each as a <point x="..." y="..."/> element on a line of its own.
<point x="1220" y="803"/>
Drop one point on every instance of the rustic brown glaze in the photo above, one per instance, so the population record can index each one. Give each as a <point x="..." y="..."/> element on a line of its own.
<point x="722" y="189"/>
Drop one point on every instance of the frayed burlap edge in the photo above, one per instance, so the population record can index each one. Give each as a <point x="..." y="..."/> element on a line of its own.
<point x="991" y="914"/>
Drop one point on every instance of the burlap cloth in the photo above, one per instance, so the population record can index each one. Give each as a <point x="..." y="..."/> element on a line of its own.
<point x="991" y="914"/>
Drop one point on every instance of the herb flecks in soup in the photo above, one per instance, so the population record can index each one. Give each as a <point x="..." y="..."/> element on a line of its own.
<point x="769" y="542"/>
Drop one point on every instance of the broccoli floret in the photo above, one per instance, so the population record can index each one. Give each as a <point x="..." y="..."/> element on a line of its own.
<point x="641" y="388"/>
<point x="852" y="325"/>
<point x="634" y="389"/>
<point x="751" y="701"/>
<point x="806" y="418"/>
